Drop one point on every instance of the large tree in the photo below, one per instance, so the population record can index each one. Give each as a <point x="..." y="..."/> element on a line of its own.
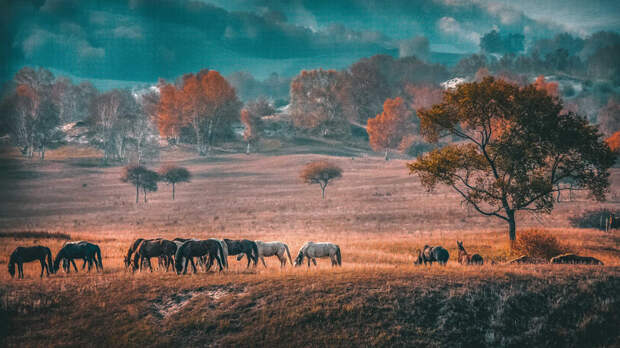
<point x="516" y="147"/>
<point x="205" y="102"/>
<point x="386" y="131"/>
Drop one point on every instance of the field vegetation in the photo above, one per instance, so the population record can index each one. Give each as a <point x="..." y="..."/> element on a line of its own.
<point x="377" y="213"/>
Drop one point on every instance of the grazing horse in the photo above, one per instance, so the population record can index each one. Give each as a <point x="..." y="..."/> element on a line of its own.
<point x="28" y="254"/>
<point x="432" y="254"/>
<point x="196" y="248"/>
<point x="312" y="250"/>
<point x="266" y="249"/>
<point x="155" y="247"/>
<point x="224" y="249"/>
<point x="466" y="259"/>
<point x="132" y="249"/>
<point x="80" y="250"/>
<point x="248" y="247"/>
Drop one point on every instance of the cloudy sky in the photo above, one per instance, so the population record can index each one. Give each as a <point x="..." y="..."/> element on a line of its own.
<point x="121" y="42"/>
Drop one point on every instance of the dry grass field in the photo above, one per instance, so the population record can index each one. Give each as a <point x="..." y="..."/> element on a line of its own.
<point x="377" y="213"/>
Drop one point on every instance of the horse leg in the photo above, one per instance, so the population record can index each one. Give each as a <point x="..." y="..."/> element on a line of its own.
<point x="308" y="261"/>
<point x="249" y="256"/>
<point x="314" y="261"/>
<point x="193" y="265"/>
<point x="20" y="267"/>
<point x="209" y="263"/>
<point x="148" y="259"/>
<point x="42" y="267"/>
<point x="263" y="259"/>
<point x="72" y="261"/>
<point x="185" y="265"/>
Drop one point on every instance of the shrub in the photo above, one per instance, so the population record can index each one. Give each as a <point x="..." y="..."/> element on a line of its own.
<point x="596" y="219"/>
<point x="538" y="243"/>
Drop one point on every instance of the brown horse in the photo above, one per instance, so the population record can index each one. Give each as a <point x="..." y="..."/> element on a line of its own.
<point x="22" y="255"/>
<point x="466" y="259"/>
<point x="132" y="248"/>
<point x="196" y="248"/>
<point x="151" y="248"/>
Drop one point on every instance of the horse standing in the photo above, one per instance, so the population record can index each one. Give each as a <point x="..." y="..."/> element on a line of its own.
<point x="267" y="249"/>
<point x="132" y="248"/>
<point x="22" y="255"/>
<point x="247" y="247"/>
<point x="465" y="258"/>
<point x="432" y="254"/>
<point x="196" y="248"/>
<point x="312" y="250"/>
<point x="80" y="250"/>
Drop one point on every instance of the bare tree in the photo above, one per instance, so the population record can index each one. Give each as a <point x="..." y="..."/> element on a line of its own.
<point x="320" y="172"/>
<point x="173" y="175"/>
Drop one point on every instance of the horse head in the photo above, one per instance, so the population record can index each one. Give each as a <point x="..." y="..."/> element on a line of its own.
<point x="12" y="268"/>
<point x="299" y="259"/>
<point x="418" y="259"/>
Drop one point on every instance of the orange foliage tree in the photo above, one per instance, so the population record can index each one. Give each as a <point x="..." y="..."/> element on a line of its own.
<point x="388" y="128"/>
<point x="205" y="102"/>
<point x="550" y="87"/>
<point x="614" y="142"/>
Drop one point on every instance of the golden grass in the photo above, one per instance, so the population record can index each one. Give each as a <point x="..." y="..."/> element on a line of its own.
<point x="376" y="213"/>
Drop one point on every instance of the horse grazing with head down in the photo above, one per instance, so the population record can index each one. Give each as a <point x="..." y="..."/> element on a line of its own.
<point x="87" y="251"/>
<point x="432" y="254"/>
<point x="247" y="247"/>
<point x="267" y="249"/>
<point x="161" y="248"/>
<point x="465" y="258"/>
<point x="132" y="248"/>
<point x="312" y="250"/>
<point x="22" y="255"/>
<point x="196" y="248"/>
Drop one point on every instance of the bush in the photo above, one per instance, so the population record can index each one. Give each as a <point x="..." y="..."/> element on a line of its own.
<point x="596" y="219"/>
<point x="538" y="243"/>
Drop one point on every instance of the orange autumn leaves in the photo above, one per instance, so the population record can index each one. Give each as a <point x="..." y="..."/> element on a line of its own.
<point x="200" y="97"/>
<point x="387" y="129"/>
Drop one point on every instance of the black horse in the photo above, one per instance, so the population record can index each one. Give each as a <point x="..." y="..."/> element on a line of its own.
<point x="28" y="254"/>
<point x="80" y="250"/>
<point x="244" y="246"/>
<point x="196" y="248"/>
<point x="432" y="254"/>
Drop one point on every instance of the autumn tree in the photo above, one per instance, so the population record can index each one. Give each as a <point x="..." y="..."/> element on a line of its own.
<point x="205" y="102"/>
<point x="320" y="172"/>
<point x="550" y="87"/>
<point x="173" y="175"/>
<point x="34" y="117"/>
<point x="515" y="148"/>
<point x="609" y="117"/>
<point x="142" y="178"/>
<point x="387" y="130"/>
<point x="318" y="102"/>
<point x="614" y="142"/>
<point x="251" y="117"/>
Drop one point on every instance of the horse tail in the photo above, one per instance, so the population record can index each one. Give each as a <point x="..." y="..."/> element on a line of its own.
<point x="220" y="258"/>
<point x="288" y="253"/>
<point x="98" y="254"/>
<point x="255" y="250"/>
<point x="338" y="256"/>
<point x="49" y="260"/>
<point x="178" y="258"/>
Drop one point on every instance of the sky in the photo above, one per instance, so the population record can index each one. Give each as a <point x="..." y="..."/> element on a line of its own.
<point x="116" y="43"/>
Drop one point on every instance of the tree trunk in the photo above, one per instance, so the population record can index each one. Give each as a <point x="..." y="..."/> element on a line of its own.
<point x="247" y="149"/>
<point x="323" y="190"/>
<point x="144" y="190"/>
<point x="173" y="191"/>
<point x="42" y="153"/>
<point x="137" y="192"/>
<point x="387" y="154"/>
<point x="512" y="224"/>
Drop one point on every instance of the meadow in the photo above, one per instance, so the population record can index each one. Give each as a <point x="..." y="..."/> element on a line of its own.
<point x="377" y="213"/>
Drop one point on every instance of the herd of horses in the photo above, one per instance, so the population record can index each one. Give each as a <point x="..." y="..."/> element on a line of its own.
<point x="179" y="253"/>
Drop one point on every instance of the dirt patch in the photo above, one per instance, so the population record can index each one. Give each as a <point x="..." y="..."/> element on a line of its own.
<point x="164" y="307"/>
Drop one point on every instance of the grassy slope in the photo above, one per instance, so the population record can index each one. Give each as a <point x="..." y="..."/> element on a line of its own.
<point x="376" y="212"/>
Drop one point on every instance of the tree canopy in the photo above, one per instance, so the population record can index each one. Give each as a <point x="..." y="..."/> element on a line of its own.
<point x="320" y="172"/>
<point x="516" y="146"/>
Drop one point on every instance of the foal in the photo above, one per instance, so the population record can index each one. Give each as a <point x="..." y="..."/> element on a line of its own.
<point x="465" y="258"/>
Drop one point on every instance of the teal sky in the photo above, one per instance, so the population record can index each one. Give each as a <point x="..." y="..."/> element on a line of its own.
<point x="121" y="42"/>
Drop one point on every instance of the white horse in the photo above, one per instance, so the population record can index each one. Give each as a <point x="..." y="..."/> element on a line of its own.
<point x="312" y="250"/>
<point x="266" y="249"/>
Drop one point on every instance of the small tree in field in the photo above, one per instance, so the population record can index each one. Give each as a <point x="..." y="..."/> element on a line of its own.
<point x="387" y="130"/>
<point x="320" y="172"/>
<point x="142" y="178"/>
<point x="517" y="146"/>
<point x="173" y="175"/>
